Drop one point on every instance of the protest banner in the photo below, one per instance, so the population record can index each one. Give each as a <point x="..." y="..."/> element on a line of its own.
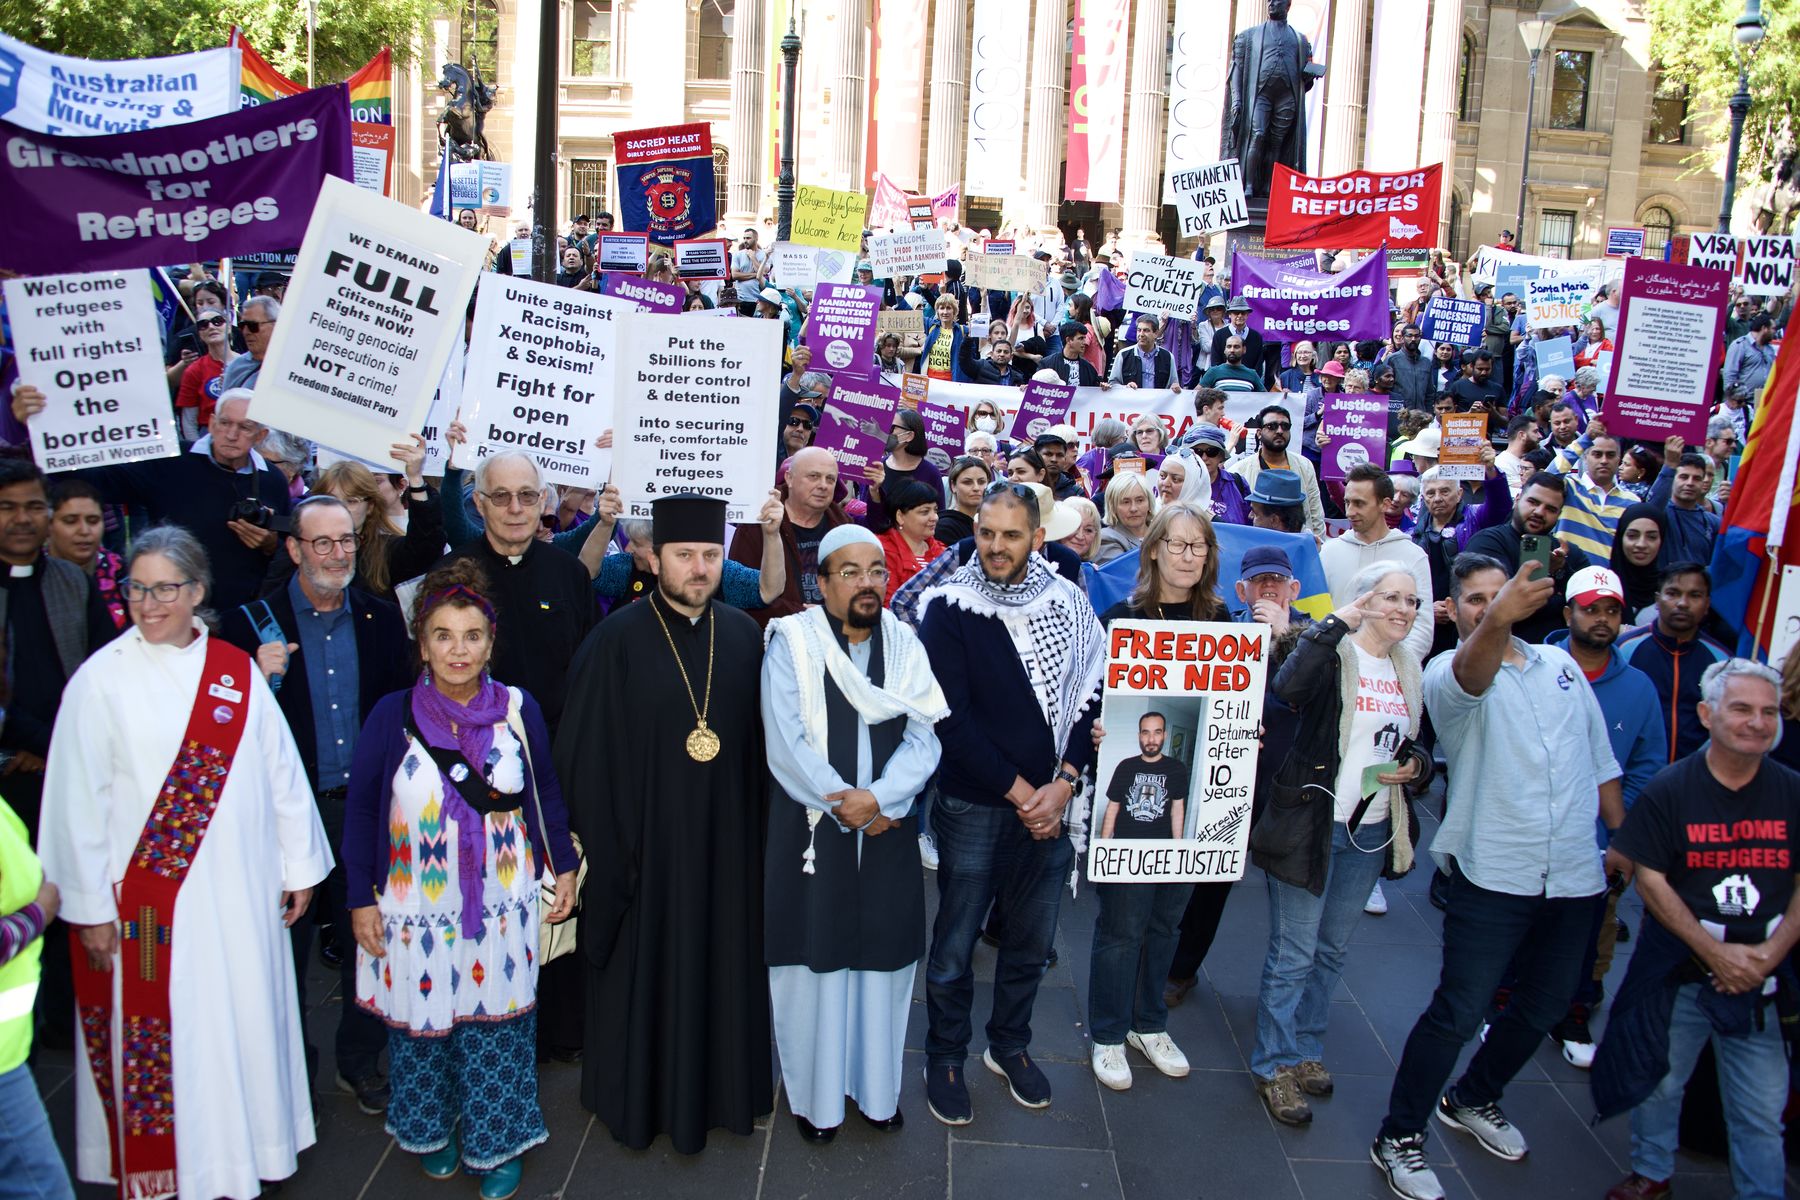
<point x="520" y="248"/>
<point x="1624" y="242"/>
<point x="1096" y="113"/>
<point x="1209" y="198"/>
<point x="1714" y="251"/>
<point x="1556" y="356"/>
<point x="1091" y="405"/>
<point x="944" y="427"/>
<point x="695" y="411"/>
<point x="1289" y="302"/>
<point x="1768" y="266"/>
<point x="1180" y="706"/>
<point x="996" y="246"/>
<point x="997" y="71"/>
<point x="1199" y="55"/>
<point x="907" y="322"/>
<point x="92" y="344"/>
<point x="1667" y="351"/>
<point x="372" y="156"/>
<point x="76" y="97"/>
<point x="482" y="185"/>
<point x="1168" y="287"/>
<point x="627" y="253"/>
<point x="828" y="219"/>
<point x="540" y="377"/>
<point x="1355" y="427"/>
<point x="916" y="252"/>
<point x="1489" y="260"/>
<point x="1512" y="277"/>
<point x="840" y="327"/>
<point x="703" y="258"/>
<point x="666" y="181"/>
<point x="1039" y="407"/>
<point x="1361" y="208"/>
<point x="1005" y="272"/>
<point x="805" y="267"/>
<point x="1458" y="322"/>
<point x="854" y="423"/>
<point x="209" y="189"/>
<point x="374" y="309"/>
<point x="1464" y="437"/>
<point x="647" y="294"/>
<point x="1555" y="303"/>
<point x="444" y="408"/>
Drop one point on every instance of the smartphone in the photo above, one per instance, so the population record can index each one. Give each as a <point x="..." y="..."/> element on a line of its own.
<point x="1536" y="548"/>
<point x="1731" y="468"/>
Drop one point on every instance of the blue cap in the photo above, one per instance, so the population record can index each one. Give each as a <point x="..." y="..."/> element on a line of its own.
<point x="1281" y="489"/>
<point x="1212" y="435"/>
<point x="1264" y="560"/>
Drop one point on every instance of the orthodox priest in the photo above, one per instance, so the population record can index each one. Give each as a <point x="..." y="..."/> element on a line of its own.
<point x="848" y="702"/>
<point x="661" y="756"/>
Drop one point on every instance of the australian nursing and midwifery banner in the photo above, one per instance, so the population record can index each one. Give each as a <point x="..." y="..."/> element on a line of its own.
<point x="52" y="93"/>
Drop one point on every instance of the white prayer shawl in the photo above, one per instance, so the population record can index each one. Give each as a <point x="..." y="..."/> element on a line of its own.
<point x="909" y="689"/>
<point x="242" y="1109"/>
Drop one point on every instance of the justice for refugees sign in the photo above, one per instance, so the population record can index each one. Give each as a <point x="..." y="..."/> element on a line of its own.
<point x="1168" y="287"/>
<point x="373" y="311"/>
<point x="540" y="377"/>
<point x="1177" y="767"/>
<point x="694" y="411"/>
<point x="1667" y="352"/>
<point x="52" y="93"/>
<point x="1355" y="427"/>
<point x="93" y="345"/>
<point x="1209" y="198"/>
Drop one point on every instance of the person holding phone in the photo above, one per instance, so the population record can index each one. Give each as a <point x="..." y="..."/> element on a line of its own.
<point x="1531" y="533"/>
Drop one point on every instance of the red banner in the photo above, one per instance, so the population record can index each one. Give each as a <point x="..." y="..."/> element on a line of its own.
<point x="662" y="143"/>
<point x="1097" y="101"/>
<point x="1360" y="209"/>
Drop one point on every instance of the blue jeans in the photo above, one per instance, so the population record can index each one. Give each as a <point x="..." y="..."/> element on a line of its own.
<point x="1134" y="943"/>
<point x="1545" y="941"/>
<point x="1753" y="1082"/>
<point x="31" y="1167"/>
<point x="985" y="854"/>
<point x="1307" y="938"/>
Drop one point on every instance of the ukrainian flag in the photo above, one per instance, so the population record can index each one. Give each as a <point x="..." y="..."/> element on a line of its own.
<point x="1111" y="583"/>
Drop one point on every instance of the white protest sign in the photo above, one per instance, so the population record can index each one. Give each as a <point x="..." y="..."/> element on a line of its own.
<point x="703" y="258"/>
<point x="521" y="256"/>
<point x="444" y="408"/>
<point x="373" y="310"/>
<point x="806" y="267"/>
<point x="93" y="345"/>
<point x="1209" y="198"/>
<point x="540" y="377"/>
<point x="913" y="252"/>
<point x="1005" y="272"/>
<point x="1555" y="303"/>
<point x="1489" y="259"/>
<point x="626" y="253"/>
<point x="695" y="411"/>
<point x="1177" y="769"/>
<point x="1168" y="287"/>
<point x="1768" y="266"/>
<point x="1786" y="630"/>
<point x="907" y="322"/>
<point x="484" y="185"/>
<point x="1715" y="251"/>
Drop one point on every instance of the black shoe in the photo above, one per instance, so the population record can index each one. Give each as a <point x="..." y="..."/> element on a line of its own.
<point x="565" y="1054"/>
<point x="947" y="1095"/>
<point x="1624" y="930"/>
<point x="888" y="1126"/>
<point x="371" y="1091"/>
<point x="812" y="1133"/>
<point x="1439" y="891"/>
<point x="330" y="953"/>
<point x="1024" y="1080"/>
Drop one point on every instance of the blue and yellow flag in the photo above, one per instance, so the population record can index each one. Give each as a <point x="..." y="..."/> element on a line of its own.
<point x="1111" y="583"/>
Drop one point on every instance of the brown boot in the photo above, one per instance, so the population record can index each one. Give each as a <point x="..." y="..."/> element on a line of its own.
<point x="1281" y="1096"/>
<point x="1313" y="1078"/>
<point x="1639" y="1187"/>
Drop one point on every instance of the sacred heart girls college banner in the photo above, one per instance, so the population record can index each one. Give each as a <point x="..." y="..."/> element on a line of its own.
<point x="1363" y="208"/>
<point x="666" y="182"/>
<point x="219" y="188"/>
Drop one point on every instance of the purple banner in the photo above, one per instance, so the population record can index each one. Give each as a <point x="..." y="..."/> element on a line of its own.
<point x="209" y="189"/>
<point x="1289" y="302"/>
<point x="1352" y="430"/>
<point x="1666" y="355"/>
<point x="1042" y="405"/>
<point x="840" y="327"/>
<point x="943" y="433"/>
<point x="646" y="294"/>
<point x="855" y="424"/>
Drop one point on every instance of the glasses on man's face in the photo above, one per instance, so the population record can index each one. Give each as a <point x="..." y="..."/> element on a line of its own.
<point x="1396" y="600"/>
<point x="528" y="498"/>
<point x="1181" y="549"/>
<point x="255" y="326"/>
<point x="322" y="546"/>
<point x="162" y="593"/>
<point x="853" y="575"/>
<point x="799" y="423"/>
<point x="209" y="322"/>
<point x="1020" y="490"/>
<point x="1277" y="426"/>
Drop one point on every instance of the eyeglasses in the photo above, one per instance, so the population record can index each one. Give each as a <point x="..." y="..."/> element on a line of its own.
<point x="878" y="575"/>
<point x="1277" y="426"/>
<point x="322" y="546"/>
<point x="1209" y="451"/>
<point x="255" y="326"/>
<point x="1179" y="549"/>
<point x="527" y="498"/>
<point x="1396" y="600"/>
<point x="162" y="593"/>
<point x="799" y="423"/>
<point x="209" y="322"/>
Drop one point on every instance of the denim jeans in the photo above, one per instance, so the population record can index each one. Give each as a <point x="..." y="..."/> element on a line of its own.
<point x="985" y="854"/>
<point x="31" y="1167"/>
<point x="1545" y="940"/>
<point x="1307" y="938"/>
<point x="1753" y="1082"/>
<point x="1134" y="942"/>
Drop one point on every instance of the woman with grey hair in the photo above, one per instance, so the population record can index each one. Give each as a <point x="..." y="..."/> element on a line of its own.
<point x="1130" y="504"/>
<point x="1580" y="395"/>
<point x="289" y="454"/>
<point x="180" y="827"/>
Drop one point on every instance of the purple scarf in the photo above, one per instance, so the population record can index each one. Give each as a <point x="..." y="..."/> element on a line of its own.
<point x="435" y="714"/>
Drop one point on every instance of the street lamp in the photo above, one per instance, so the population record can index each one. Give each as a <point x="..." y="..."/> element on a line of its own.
<point x="1747" y="32"/>
<point x="1536" y="31"/>
<point x="784" y="187"/>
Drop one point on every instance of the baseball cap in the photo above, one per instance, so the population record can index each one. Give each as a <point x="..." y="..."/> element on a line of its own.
<point x="1265" y="560"/>
<point x="1050" y="435"/>
<point x="1595" y="583"/>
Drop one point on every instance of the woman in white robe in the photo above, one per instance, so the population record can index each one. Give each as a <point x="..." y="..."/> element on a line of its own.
<point x="241" y="1103"/>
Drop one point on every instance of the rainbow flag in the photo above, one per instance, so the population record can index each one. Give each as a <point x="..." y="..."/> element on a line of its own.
<point x="371" y="87"/>
<point x="1760" y="534"/>
<point x="260" y="82"/>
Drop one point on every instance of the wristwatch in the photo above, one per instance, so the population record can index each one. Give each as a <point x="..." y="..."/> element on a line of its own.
<point x="1072" y="778"/>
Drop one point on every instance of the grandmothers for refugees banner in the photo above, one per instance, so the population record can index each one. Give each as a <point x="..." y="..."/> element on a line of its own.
<point x="666" y="181"/>
<point x="1362" y="208"/>
<point x="52" y="93"/>
<point x="1289" y="302"/>
<point x="218" y="188"/>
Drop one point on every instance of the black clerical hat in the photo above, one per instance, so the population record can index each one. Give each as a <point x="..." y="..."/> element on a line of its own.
<point x="687" y="517"/>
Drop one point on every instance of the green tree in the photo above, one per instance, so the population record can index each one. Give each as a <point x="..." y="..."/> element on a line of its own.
<point x="346" y="35"/>
<point x="1694" y="44"/>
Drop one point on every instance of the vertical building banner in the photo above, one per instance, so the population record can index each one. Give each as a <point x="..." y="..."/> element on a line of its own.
<point x="1197" y="64"/>
<point x="898" y="84"/>
<point x="997" y="99"/>
<point x="1096" y="101"/>
<point x="1396" y="85"/>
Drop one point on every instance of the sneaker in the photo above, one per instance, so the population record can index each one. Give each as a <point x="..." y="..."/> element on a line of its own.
<point x="1638" y="1187"/>
<point x="1572" y="1034"/>
<point x="947" y="1095"/>
<point x="371" y="1091"/>
<point x="1023" y="1079"/>
<point x="1314" y="1079"/>
<point x="1377" y="903"/>
<point x="1281" y="1096"/>
<point x="1110" y="1067"/>
<point x="1487" y="1124"/>
<point x="1162" y="1052"/>
<point x="928" y="852"/>
<point x="1402" y="1160"/>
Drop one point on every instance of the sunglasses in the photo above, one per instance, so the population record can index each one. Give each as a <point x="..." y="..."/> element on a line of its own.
<point x="209" y="322"/>
<point x="255" y="326"/>
<point x="1022" y="491"/>
<point x="1278" y="426"/>
<point x="799" y="423"/>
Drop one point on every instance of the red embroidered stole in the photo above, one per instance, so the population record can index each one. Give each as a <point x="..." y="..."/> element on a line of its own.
<point x="140" y="1110"/>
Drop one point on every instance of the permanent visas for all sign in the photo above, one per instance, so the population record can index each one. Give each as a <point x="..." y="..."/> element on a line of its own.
<point x="1362" y="208"/>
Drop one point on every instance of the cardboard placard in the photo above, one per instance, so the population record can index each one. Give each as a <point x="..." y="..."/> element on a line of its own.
<point x="1464" y="437"/>
<point x="1768" y="266"/>
<point x="828" y="219"/>
<point x="1041" y="406"/>
<point x="1005" y="272"/>
<point x="1624" y="242"/>
<point x="1165" y="286"/>
<point x="840" y="327"/>
<point x="1555" y="303"/>
<point x="1357" y="429"/>
<point x="1209" y="198"/>
<point x="703" y="258"/>
<point x="918" y="252"/>
<point x="1667" y="351"/>
<point x="627" y="253"/>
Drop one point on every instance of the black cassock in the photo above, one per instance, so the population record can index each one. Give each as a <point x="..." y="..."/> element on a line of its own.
<point x="672" y="910"/>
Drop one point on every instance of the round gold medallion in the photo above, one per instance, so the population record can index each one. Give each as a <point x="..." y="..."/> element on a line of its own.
<point x="703" y="745"/>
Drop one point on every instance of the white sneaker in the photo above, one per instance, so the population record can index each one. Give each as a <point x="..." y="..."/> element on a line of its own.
<point x="1402" y="1160"/>
<point x="1488" y="1124"/>
<point x="1377" y="903"/>
<point x="1579" y="1054"/>
<point x="1110" y="1067"/>
<point x="1162" y="1052"/>
<point x="928" y="852"/>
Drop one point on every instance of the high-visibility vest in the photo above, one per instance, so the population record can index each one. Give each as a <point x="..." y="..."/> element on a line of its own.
<point x="20" y="877"/>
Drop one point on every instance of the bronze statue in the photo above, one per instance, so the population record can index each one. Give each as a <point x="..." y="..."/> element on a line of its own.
<point x="1265" y="99"/>
<point x="464" y="119"/>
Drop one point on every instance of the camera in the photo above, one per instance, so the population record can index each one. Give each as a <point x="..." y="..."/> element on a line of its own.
<point x="248" y="509"/>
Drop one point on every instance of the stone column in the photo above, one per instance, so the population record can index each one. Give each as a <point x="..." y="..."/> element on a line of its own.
<point x="1250" y="13"/>
<point x="1049" y="110"/>
<point x="845" y="30"/>
<point x="749" y="104"/>
<point x="1437" y="143"/>
<point x="1144" y="133"/>
<point x="949" y="95"/>
<point x="1345" y="86"/>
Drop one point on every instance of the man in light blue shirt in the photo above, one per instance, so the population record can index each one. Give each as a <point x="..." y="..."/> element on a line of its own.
<point x="1529" y="768"/>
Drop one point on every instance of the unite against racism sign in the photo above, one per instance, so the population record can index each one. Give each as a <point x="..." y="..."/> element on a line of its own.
<point x="1362" y="208"/>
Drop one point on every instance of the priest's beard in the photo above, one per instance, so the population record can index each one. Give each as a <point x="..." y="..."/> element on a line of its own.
<point x="688" y="593"/>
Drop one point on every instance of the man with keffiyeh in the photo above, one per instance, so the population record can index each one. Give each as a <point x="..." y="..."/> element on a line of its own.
<point x="1018" y="653"/>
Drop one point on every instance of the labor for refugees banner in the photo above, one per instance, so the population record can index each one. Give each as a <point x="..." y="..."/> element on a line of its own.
<point x="211" y="189"/>
<point x="53" y="93"/>
<point x="1667" y="352"/>
<point x="666" y="181"/>
<point x="1290" y="302"/>
<point x="1362" y="208"/>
